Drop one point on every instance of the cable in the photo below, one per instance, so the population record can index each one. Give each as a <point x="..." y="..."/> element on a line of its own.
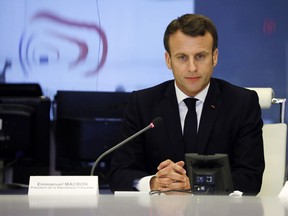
<point x="99" y="45"/>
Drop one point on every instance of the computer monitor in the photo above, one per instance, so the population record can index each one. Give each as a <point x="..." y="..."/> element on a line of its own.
<point x="87" y="124"/>
<point x="209" y="174"/>
<point x="24" y="133"/>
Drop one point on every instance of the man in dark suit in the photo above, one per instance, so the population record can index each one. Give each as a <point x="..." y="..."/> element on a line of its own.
<point x="228" y="118"/>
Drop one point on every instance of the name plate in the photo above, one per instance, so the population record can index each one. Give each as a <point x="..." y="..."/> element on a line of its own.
<point x="63" y="185"/>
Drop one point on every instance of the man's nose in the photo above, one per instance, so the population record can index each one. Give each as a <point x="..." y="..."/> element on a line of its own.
<point x="192" y="65"/>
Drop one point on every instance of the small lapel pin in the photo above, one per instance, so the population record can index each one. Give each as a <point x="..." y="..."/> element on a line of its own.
<point x="212" y="106"/>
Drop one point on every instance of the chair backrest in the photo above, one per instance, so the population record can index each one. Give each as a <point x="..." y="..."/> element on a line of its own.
<point x="274" y="138"/>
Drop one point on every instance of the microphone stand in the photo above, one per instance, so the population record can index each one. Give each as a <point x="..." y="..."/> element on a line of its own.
<point x="151" y="125"/>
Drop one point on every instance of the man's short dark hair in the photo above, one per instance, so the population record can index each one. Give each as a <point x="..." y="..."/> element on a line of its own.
<point x="192" y="25"/>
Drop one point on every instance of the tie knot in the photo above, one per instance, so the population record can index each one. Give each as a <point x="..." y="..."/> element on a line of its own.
<point x="190" y="103"/>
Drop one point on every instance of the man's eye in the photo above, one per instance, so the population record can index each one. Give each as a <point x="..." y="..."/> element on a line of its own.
<point x="182" y="58"/>
<point x="200" y="57"/>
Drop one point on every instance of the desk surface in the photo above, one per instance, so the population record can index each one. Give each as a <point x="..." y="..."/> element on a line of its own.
<point x="162" y="205"/>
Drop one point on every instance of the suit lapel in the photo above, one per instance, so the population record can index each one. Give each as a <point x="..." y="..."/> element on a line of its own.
<point x="210" y="109"/>
<point x="170" y="110"/>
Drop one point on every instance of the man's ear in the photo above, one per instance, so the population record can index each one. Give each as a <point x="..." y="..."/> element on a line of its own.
<point x="168" y="60"/>
<point x="215" y="57"/>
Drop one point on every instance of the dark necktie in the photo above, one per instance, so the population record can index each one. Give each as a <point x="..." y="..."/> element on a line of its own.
<point x="190" y="125"/>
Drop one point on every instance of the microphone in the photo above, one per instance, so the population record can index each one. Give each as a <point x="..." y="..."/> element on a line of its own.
<point x="155" y="123"/>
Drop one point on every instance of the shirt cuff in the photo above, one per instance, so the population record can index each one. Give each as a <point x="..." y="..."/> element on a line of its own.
<point x="144" y="184"/>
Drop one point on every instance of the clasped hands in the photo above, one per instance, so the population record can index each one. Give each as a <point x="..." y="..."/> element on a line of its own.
<point x="170" y="176"/>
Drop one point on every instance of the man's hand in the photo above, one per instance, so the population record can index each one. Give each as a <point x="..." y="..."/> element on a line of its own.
<point x="170" y="176"/>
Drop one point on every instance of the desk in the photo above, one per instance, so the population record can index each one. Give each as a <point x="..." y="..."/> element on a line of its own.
<point x="162" y="205"/>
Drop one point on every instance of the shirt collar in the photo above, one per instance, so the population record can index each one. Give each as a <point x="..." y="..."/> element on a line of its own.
<point x="181" y="95"/>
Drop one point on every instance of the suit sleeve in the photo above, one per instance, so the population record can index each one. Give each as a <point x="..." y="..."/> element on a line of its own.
<point x="247" y="160"/>
<point x="128" y="163"/>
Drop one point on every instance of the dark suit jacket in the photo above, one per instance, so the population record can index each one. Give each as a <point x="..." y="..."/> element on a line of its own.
<point x="231" y="123"/>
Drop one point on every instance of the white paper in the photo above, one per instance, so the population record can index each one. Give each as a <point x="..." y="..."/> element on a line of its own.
<point x="284" y="192"/>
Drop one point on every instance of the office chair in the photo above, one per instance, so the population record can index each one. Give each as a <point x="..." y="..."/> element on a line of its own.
<point x="274" y="138"/>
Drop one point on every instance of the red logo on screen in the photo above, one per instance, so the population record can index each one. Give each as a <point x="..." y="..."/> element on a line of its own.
<point x="51" y="38"/>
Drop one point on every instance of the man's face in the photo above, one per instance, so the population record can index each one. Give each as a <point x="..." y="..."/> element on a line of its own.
<point x="191" y="61"/>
